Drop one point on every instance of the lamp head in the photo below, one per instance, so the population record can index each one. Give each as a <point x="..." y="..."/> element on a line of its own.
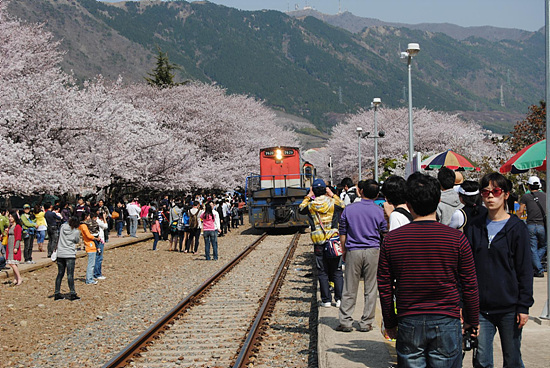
<point x="413" y="49"/>
<point x="359" y="129"/>
<point x="381" y="134"/>
<point x="376" y="101"/>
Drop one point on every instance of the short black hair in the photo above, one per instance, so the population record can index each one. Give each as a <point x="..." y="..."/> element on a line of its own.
<point x="370" y="188"/>
<point x="319" y="191"/>
<point x="497" y="179"/>
<point x="446" y="178"/>
<point x="346" y="182"/>
<point x="394" y="189"/>
<point x="423" y="194"/>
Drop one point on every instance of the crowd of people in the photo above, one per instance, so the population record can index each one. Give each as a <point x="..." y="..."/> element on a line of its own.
<point x="449" y="258"/>
<point x="179" y="221"/>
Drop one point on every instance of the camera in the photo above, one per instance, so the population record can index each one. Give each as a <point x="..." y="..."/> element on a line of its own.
<point x="469" y="340"/>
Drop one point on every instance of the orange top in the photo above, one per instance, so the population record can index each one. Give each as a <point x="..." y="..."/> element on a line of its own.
<point x="88" y="238"/>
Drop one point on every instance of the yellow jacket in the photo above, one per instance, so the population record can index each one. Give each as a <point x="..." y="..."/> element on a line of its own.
<point x="325" y="209"/>
<point x="39" y="219"/>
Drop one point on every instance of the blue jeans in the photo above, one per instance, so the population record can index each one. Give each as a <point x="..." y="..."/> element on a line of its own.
<point x="133" y="225"/>
<point x="98" y="259"/>
<point x="40" y="236"/>
<point x="145" y="223"/>
<point x="119" y="227"/>
<point x="211" y="237"/>
<point x="429" y="340"/>
<point x="510" y="340"/>
<point x="90" y="268"/>
<point x="537" y="236"/>
<point x="156" y="235"/>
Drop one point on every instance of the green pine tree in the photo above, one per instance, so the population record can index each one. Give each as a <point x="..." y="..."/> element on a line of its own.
<point x="162" y="75"/>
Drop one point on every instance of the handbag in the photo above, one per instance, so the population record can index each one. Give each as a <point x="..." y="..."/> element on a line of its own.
<point x="115" y="215"/>
<point x="53" y="257"/>
<point x="5" y="240"/>
<point x="333" y="246"/>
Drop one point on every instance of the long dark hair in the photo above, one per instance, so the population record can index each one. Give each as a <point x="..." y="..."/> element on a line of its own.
<point x="208" y="210"/>
<point x="15" y="216"/>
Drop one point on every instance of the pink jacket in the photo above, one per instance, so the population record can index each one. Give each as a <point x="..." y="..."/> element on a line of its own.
<point x="144" y="211"/>
<point x="155" y="228"/>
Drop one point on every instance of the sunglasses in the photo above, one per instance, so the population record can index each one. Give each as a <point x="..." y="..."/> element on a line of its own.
<point x="497" y="192"/>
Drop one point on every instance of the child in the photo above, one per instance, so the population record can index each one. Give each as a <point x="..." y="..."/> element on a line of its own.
<point x="155" y="228"/>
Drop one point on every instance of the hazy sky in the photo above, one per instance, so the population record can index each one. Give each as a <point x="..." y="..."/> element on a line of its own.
<point x="522" y="14"/>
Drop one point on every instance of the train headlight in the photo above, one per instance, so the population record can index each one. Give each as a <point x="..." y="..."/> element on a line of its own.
<point x="278" y="155"/>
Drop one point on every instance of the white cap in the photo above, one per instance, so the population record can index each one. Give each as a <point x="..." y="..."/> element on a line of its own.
<point x="533" y="180"/>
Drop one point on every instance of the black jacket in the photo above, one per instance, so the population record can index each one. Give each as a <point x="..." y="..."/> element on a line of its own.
<point x="504" y="269"/>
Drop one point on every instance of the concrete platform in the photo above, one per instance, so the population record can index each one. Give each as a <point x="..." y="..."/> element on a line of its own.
<point x="370" y="349"/>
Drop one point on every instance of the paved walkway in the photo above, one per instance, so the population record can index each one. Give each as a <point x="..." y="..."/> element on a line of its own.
<point x="42" y="260"/>
<point x="370" y="349"/>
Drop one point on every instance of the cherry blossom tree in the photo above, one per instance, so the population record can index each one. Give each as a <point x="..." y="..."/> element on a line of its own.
<point x="61" y="138"/>
<point x="215" y="137"/>
<point x="433" y="132"/>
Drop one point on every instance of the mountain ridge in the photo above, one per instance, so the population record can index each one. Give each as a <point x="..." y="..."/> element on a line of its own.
<point x="356" y="24"/>
<point x="302" y="66"/>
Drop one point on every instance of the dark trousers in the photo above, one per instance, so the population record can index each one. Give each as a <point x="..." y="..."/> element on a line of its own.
<point x="165" y="230"/>
<point x="27" y="247"/>
<point x="52" y="240"/>
<point x="329" y="269"/>
<point x="235" y="222"/>
<point x="194" y="235"/>
<point x="62" y="265"/>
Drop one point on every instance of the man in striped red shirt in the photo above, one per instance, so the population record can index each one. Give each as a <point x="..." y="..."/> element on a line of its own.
<point x="429" y="268"/>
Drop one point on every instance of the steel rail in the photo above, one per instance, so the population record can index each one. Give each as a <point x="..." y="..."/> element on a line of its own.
<point x="123" y="358"/>
<point x="251" y="344"/>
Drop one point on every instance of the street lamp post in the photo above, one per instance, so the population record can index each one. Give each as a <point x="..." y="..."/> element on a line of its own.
<point x="412" y="50"/>
<point x="359" y="130"/>
<point x="376" y="102"/>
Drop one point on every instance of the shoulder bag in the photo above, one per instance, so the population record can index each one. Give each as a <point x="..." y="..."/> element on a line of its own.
<point x="333" y="247"/>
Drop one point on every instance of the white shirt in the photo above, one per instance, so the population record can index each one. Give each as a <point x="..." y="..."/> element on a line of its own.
<point x="133" y="209"/>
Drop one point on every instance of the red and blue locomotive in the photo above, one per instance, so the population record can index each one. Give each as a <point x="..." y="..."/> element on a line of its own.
<point x="275" y="194"/>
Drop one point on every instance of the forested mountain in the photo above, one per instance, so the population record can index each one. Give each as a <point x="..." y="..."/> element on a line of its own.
<point x="299" y="65"/>
<point x="355" y="24"/>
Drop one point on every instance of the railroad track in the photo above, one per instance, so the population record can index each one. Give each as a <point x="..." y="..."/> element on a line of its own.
<point x="220" y="323"/>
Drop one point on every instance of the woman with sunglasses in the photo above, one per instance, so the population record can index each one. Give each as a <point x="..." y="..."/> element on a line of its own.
<point x="500" y="244"/>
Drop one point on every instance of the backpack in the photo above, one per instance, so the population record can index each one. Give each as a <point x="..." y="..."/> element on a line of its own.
<point x="405" y="213"/>
<point x="352" y="195"/>
<point x="235" y="212"/>
<point x="193" y="220"/>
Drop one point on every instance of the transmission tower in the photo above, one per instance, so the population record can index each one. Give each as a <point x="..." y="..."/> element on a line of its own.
<point x="502" y="96"/>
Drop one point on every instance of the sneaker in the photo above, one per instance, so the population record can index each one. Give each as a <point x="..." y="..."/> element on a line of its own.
<point x="58" y="297"/>
<point x="343" y="328"/>
<point x="539" y="274"/>
<point x="326" y="305"/>
<point x="101" y="278"/>
<point x="73" y="297"/>
<point x="338" y="303"/>
<point x="92" y="283"/>
<point x="366" y="329"/>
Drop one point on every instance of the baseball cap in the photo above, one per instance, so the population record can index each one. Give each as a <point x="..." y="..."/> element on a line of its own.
<point x="26" y="206"/>
<point x="319" y="183"/>
<point x="533" y="180"/>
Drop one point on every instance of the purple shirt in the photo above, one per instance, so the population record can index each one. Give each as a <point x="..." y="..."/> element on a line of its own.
<point x="362" y="223"/>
